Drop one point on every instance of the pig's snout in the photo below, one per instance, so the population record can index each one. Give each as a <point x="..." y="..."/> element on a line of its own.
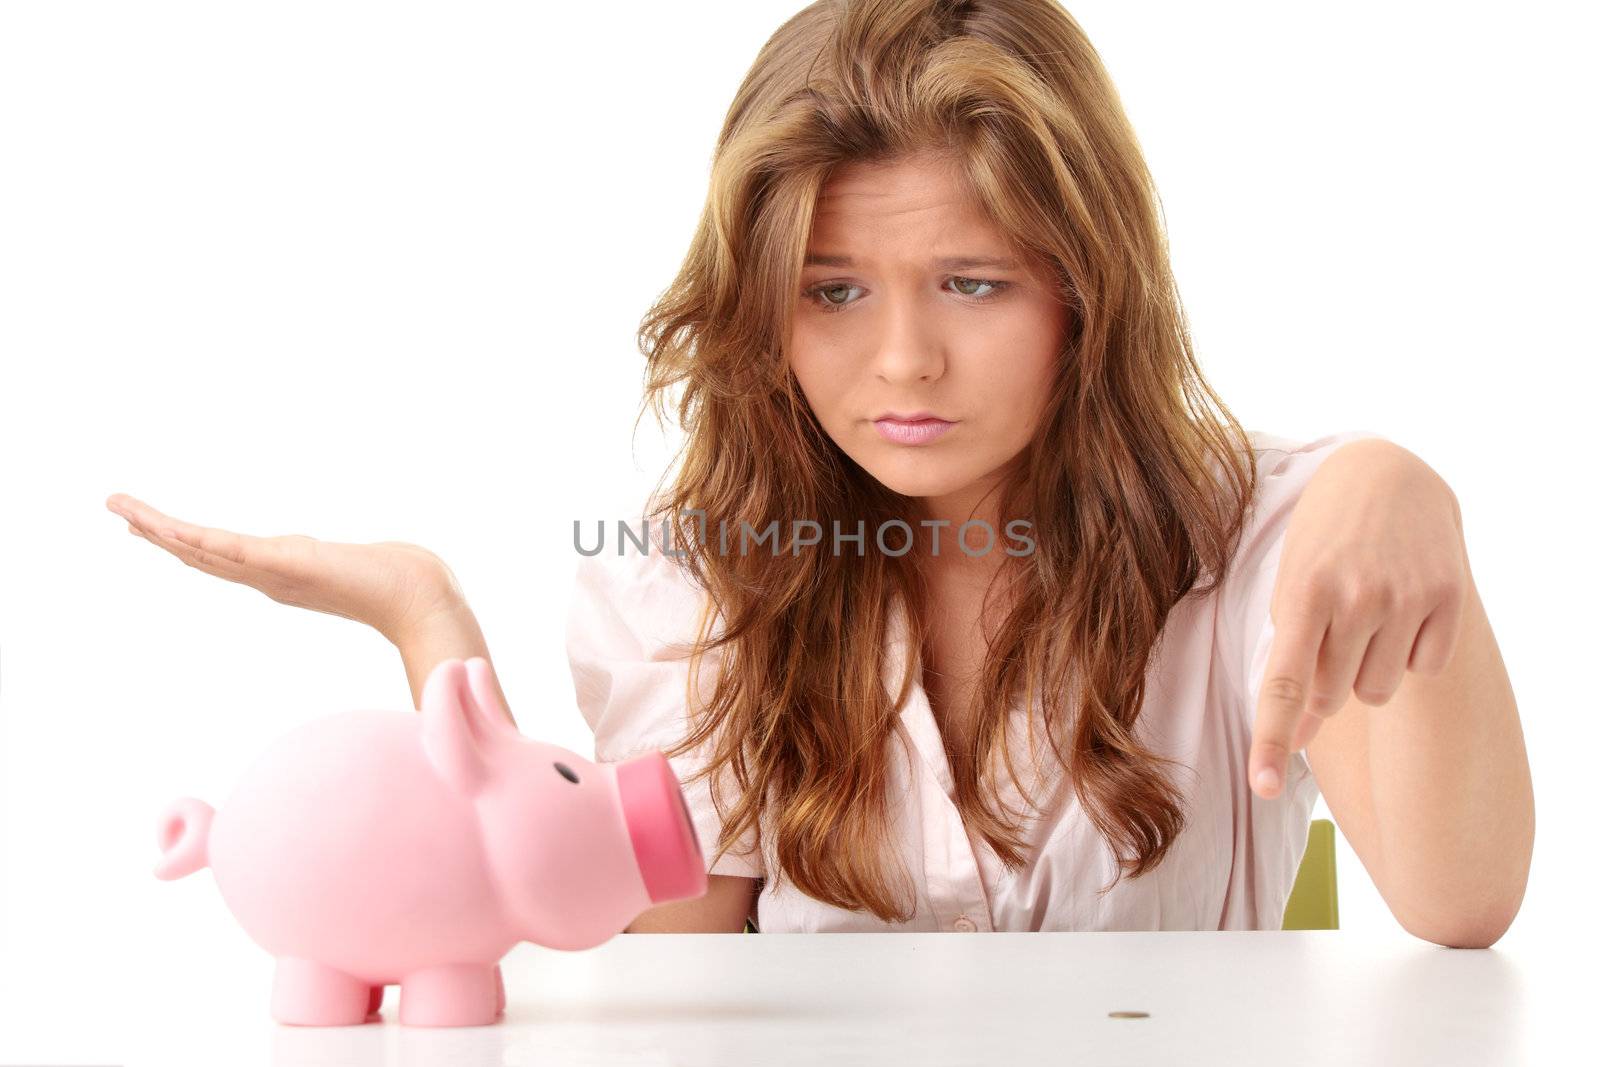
<point x="665" y="841"/>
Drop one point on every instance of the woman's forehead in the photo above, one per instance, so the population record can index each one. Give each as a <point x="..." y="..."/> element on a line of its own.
<point x="918" y="177"/>
<point x="874" y="210"/>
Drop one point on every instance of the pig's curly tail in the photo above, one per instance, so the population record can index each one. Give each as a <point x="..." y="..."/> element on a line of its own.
<point x="182" y="833"/>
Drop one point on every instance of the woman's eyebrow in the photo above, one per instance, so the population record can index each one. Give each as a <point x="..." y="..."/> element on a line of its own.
<point x="943" y="263"/>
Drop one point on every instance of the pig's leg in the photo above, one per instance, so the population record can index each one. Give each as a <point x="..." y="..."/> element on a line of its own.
<point x="308" y="993"/>
<point x="375" y="1001"/>
<point x="453" y="994"/>
<point x="499" y="991"/>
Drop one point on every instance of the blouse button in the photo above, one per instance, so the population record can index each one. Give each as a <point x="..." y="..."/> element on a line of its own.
<point x="965" y="925"/>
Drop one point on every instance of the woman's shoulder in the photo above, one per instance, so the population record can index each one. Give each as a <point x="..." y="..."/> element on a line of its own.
<point x="630" y="577"/>
<point x="1284" y="467"/>
<point x="1276" y="455"/>
<point x="633" y="619"/>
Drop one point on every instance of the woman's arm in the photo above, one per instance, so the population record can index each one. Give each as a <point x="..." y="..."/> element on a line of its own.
<point x="403" y="591"/>
<point x="728" y="901"/>
<point x="1384" y="668"/>
<point x="449" y="633"/>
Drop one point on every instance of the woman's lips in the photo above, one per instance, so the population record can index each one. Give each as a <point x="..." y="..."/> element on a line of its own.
<point x="911" y="431"/>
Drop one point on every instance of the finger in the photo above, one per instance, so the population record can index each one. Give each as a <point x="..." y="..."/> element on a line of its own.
<point x="240" y="550"/>
<point x="1436" y="638"/>
<point x="222" y="544"/>
<point x="1384" y="667"/>
<point x="143" y="515"/>
<point x="136" y="511"/>
<point x="1291" y="665"/>
<point x="1306" y="732"/>
<point x="190" y="555"/>
<point x="225" y="550"/>
<point x="1343" y="651"/>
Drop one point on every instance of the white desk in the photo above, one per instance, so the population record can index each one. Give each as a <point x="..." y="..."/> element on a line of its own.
<point x="1296" y="998"/>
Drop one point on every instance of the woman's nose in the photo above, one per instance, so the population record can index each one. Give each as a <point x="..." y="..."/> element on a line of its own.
<point x="908" y="348"/>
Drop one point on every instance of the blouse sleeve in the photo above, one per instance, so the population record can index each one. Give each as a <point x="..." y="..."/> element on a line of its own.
<point x="1283" y="470"/>
<point x="629" y="623"/>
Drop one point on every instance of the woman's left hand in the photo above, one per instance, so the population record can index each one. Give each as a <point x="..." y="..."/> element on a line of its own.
<point x="1371" y="583"/>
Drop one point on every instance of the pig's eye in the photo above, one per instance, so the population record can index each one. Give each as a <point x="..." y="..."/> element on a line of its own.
<point x="567" y="772"/>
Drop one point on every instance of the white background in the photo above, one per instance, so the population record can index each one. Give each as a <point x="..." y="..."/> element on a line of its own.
<point x="373" y="272"/>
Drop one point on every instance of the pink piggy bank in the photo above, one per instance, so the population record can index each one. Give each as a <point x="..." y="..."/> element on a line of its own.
<point x="375" y="848"/>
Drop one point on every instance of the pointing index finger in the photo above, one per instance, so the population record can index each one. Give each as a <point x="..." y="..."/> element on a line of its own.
<point x="1281" y="703"/>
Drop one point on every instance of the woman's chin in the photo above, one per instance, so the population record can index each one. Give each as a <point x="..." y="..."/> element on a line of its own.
<point x="918" y="479"/>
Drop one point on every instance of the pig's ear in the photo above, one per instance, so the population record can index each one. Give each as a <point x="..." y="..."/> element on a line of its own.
<point x="453" y="736"/>
<point x="496" y="720"/>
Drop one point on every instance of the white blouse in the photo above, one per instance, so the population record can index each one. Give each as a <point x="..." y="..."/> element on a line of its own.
<point x="1231" y="869"/>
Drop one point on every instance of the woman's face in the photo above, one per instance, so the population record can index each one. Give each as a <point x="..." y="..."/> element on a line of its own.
<point x="912" y="309"/>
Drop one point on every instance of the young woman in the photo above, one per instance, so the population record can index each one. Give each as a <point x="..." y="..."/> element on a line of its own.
<point x="930" y="296"/>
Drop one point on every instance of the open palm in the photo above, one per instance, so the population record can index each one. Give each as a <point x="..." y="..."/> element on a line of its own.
<point x="387" y="585"/>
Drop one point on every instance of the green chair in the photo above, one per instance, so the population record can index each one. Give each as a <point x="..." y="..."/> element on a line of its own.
<point x="1314" y="900"/>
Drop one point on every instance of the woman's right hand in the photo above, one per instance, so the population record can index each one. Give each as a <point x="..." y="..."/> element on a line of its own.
<point x="391" y="586"/>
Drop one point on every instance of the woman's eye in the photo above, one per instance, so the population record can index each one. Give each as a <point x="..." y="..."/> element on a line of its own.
<point x="995" y="286"/>
<point x="828" y="304"/>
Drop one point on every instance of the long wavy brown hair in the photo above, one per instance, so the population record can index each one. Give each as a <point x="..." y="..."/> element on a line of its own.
<point x="1121" y="481"/>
